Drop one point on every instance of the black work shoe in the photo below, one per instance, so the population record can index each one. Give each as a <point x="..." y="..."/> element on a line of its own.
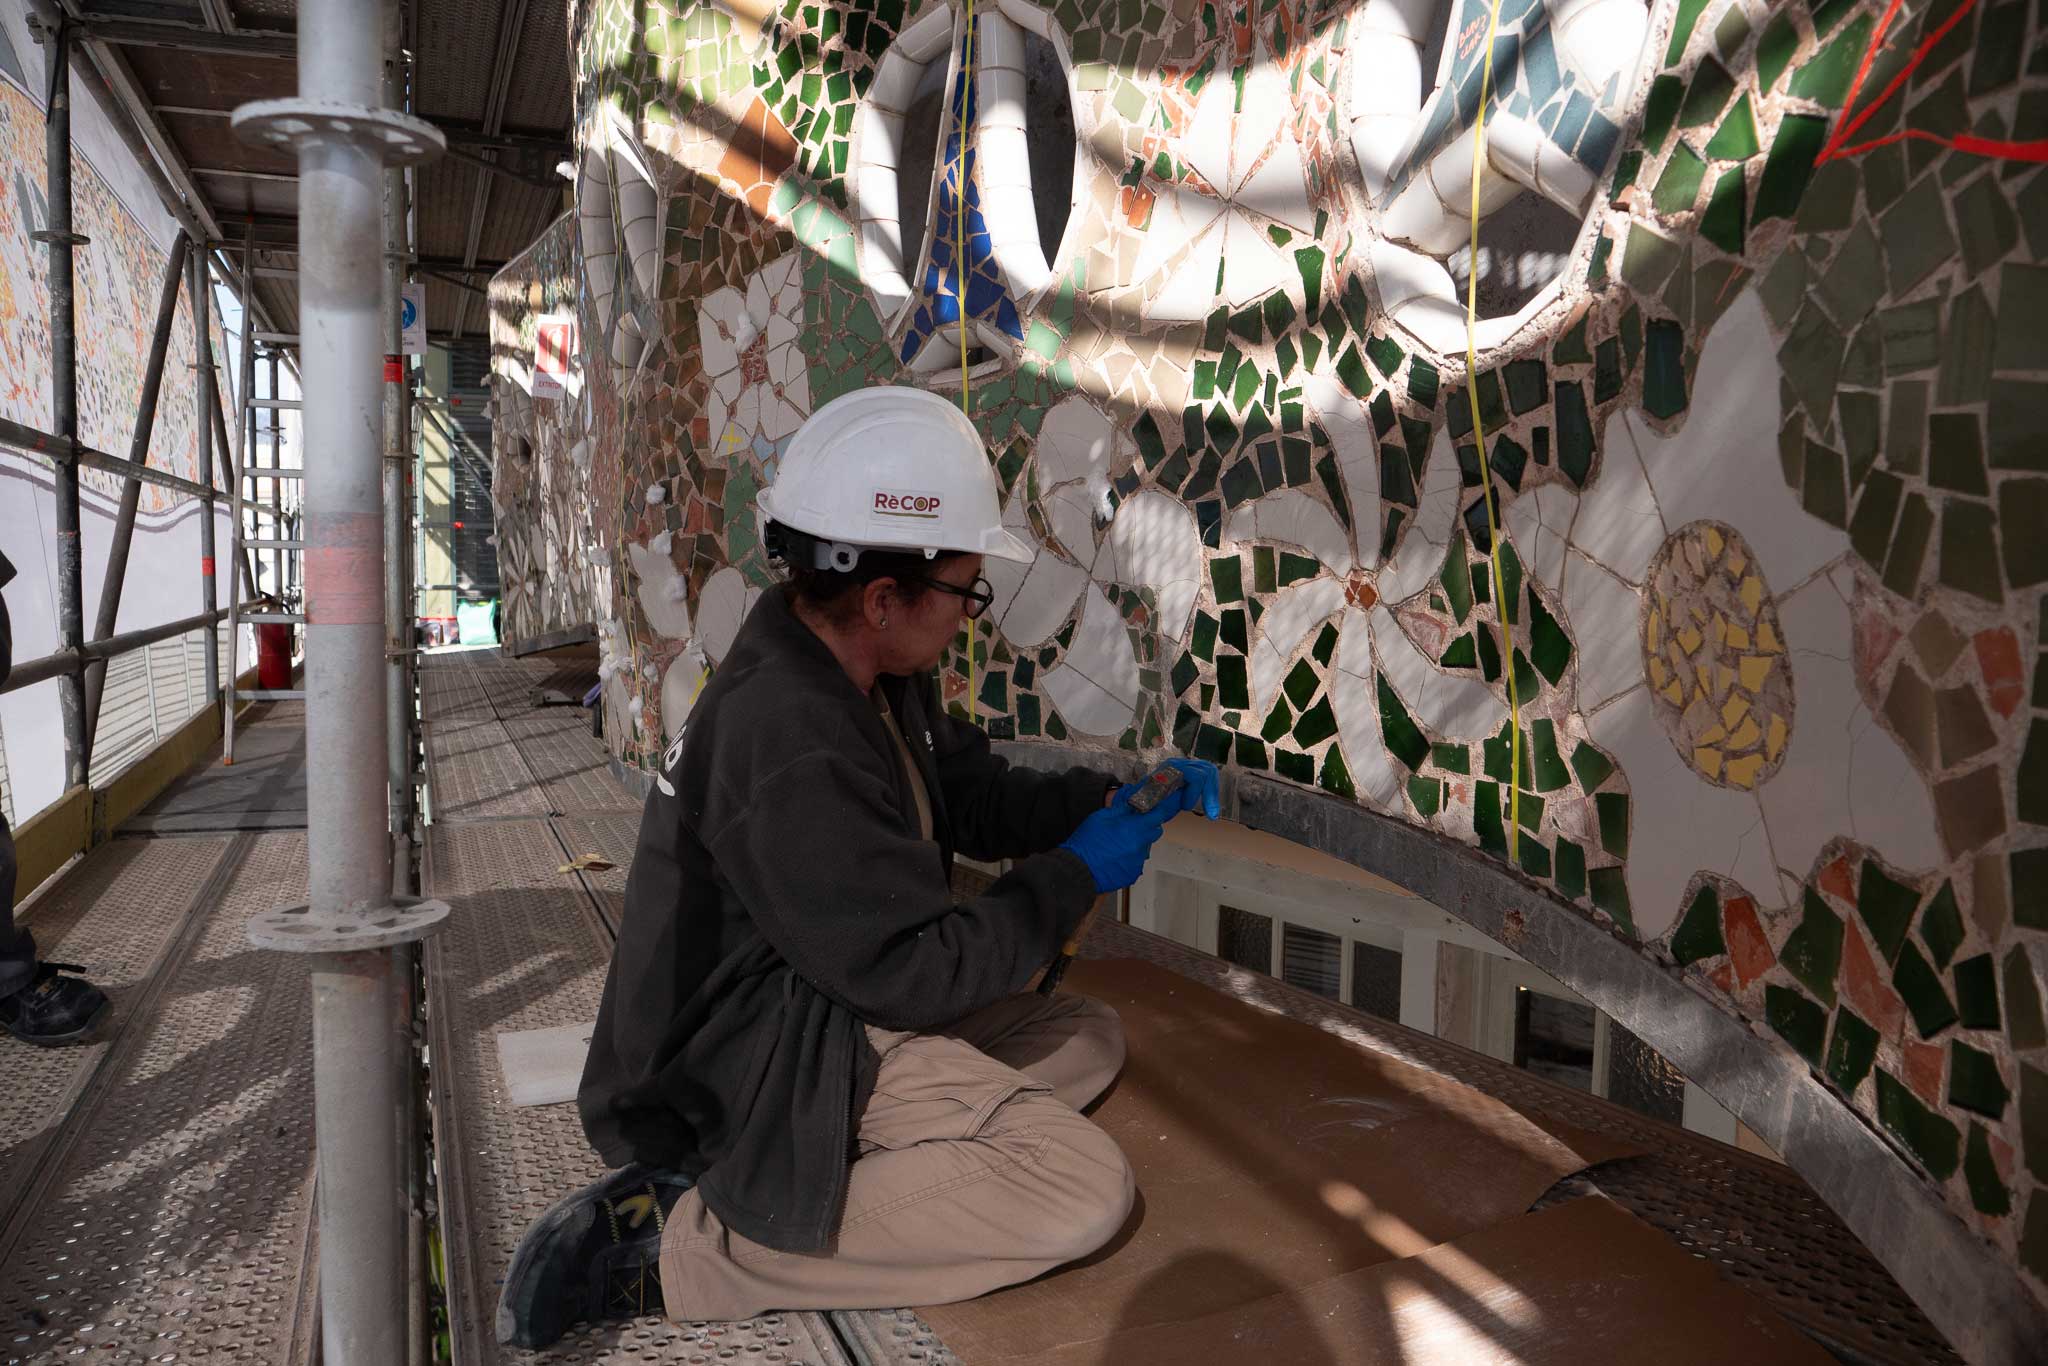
<point x="593" y="1255"/>
<point x="54" y="1009"/>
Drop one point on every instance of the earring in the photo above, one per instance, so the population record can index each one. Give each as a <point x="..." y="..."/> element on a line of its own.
<point x="885" y="623"/>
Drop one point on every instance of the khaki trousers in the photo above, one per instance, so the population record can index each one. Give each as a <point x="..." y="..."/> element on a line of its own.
<point x="975" y="1171"/>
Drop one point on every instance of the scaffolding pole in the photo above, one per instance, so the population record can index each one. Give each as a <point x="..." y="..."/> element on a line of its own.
<point x="398" y="706"/>
<point x="202" y="345"/>
<point x="131" y="489"/>
<point x="55" y="32"/>
<point x="343" y="136"/>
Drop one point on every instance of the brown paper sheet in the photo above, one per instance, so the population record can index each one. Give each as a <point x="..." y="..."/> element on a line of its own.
<point x="1584" y="1283"/>
<point x="1271" y="1156"/>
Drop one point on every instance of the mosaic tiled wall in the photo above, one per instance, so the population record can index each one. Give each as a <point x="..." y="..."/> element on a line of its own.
<point x="118" y="275"/>
<point x="1769" y="450"/>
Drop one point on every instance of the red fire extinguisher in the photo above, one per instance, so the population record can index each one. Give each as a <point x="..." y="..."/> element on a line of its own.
<point x="273" y="653"/>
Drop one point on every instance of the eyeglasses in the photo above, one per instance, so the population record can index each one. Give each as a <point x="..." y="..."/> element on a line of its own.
<point x="978" y="594"/>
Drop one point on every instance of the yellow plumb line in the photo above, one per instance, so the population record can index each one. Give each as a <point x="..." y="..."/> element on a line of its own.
<point x="960" y="292"/>
<point x="1500" y="604"/>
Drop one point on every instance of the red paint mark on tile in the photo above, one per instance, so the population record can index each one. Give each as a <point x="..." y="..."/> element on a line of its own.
<point x="1923" y="1070"/>
<point x="1864" y="986"/>
<point x="1836" y="882"/>
<point x="1998" y="659"/>
<point x="1749" y="948"/>
<point x="2005" y="149"/>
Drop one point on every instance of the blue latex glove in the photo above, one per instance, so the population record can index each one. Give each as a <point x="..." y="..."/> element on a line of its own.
<point x="1115" y="841"/>
<point x="1199" y="789"/>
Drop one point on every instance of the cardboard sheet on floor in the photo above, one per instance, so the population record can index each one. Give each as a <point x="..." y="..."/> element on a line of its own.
<point x="1270" y="1156"/>
<point x="543" y="1066"/>
<point x="1581" y="1282"/>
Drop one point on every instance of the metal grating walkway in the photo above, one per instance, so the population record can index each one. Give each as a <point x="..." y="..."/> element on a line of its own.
<point x="526" y="947"/>
<point x="157" y="1199"/>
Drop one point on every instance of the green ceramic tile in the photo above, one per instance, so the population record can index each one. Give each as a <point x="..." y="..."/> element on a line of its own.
<point x="1774" y="51"/>
<point x="1909" y="547"/>
<point x="1427" y="794"/>
<point x="1591" y="765"/>
<point x="1549" y="646"/>
<point x="2034" y="1118"/>
<point x="1574" y="427"/>
<point x="1678" y="189"/>
<point x="1797" y="1020"/>
<point x="1930" y="1138"/>
<point x="2023" y="503"/>
<point x="1974" y="1083"/>
<point x="1851" y="1049"/>
<point x="1956" y="453"/>
<point x="1722" y="222"/>
<point x="1941" y="925"/>
<point x="1917" y="236"/>
<point x="1813" y="951"/>
<point x="1789" y="165"/>
<point x="1699" y="932"/>
<point x="1301" y="683"/>
<point x="1886" y="907"/>
<point x="2024" y="1021"/>
<point x="1663" y="368"/>
<point x="1613" y="813"/>
<point x="1855" y="279"/>
<point x="1660" y="110"/>
<point x="1812" y="360"/>
<point x="1226" y="574"/>
<point x="1987" y="227"/>
<point x="1969" y="550"/>
<point x="1825" y="79"/>
<point x="1486" y="818"/>
<point x="1547" y="766"/>
<point x="1609" y="888"/>
<point x="1921" y="988"/>
<point x="1232" y="687"/>
<point x="1571" y="869"/>
<point x="1336" y="776"/>
<point x="1965" y="350"/>
<point x="1980" y="1173"/>
<point x="1403" y="737"/>
<point x="1731" y="32"/>
<point x="1977" y="992"/>
<point x="2022" y="297"/>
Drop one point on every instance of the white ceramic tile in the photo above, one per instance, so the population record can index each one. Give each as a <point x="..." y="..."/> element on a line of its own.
<point x="1354" y="697"/>
<point x="722" y="311"/>
<point x="1537" y="525"/>
<point x="1099" y="657"/>
<point x="1205" y="145"/>
<point x="1349" y="426"/>
<point x="1602" y="38"/>
<point x="1071" y="510"/>
<point x="680" y="686"/>
<point x="1618" y="523"/>
<point x="1386" y="76"/>
<point x="1157" y="546"/>
<point x="1278" y="188"/>
<point x="655" y="583"/>
<point x="896" y="78"/>
<point x="1253" y="265"/>
<point x="1683" y="825"/>
<point x="1843" y="773"/>
<point x="1411" y="19"/>
<point x="999" y="98"/>
<point x="1189" y="293"/>
<point x="928" y="34"/>
<point x="1452" y="706"/>
<point x="1723" y="464"/>
<point x="723" y="605"/>
<point x="1403" y="274"/>
<point x="1076" y="441"/>
<point x="1419" y="556"/>
<point x="1377" y="140"/>
<point x="1290" y="615"/>
<point x="1178" y="214"/>
<point x="1602" y="614"/>
<point x="1043" y="601"/>
<point x="1291" y="517"/>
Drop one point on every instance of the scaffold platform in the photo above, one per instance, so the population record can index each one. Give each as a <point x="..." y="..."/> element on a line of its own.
<point x="157" y="1186"/>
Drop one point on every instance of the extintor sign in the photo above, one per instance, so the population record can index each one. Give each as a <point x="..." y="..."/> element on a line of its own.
<point x="554" y="342"/>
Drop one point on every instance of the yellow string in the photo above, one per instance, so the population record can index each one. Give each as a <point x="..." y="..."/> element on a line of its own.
<point x="1501" y="607"/>
<point x="960" y="289"/>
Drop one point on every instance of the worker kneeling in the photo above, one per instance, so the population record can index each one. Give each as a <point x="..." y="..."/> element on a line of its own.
<point x="819" y="1076"/>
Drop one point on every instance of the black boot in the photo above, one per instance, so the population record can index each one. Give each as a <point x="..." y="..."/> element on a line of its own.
<point x="594" y="1255"/>
<point x="54" y="1009"/>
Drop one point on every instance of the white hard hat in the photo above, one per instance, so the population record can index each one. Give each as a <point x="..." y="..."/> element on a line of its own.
<point x="891" y="468"/>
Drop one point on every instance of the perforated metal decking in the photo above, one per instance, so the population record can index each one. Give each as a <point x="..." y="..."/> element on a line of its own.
<point x="519" y="791"/>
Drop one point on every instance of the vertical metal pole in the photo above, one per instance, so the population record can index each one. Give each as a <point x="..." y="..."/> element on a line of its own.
<point x="397" y="697"/>
<point x="131" y="490"/>
<point x="61" y="241"/>
<point x="277" y="554"/>
<point x="209" y="410"/>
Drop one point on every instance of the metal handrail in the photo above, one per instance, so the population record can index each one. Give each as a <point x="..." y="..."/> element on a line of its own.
<point x="52" y="447"/>
<point x="74" y="661"/>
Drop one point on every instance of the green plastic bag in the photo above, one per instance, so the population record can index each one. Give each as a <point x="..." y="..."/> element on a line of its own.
<point x="476" y="623"/>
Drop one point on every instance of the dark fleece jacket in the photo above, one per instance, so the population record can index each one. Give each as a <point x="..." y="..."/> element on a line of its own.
<point x="781" y="896"/>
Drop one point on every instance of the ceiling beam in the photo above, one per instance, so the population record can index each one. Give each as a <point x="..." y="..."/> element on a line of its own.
<point x="177" y="37"/>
